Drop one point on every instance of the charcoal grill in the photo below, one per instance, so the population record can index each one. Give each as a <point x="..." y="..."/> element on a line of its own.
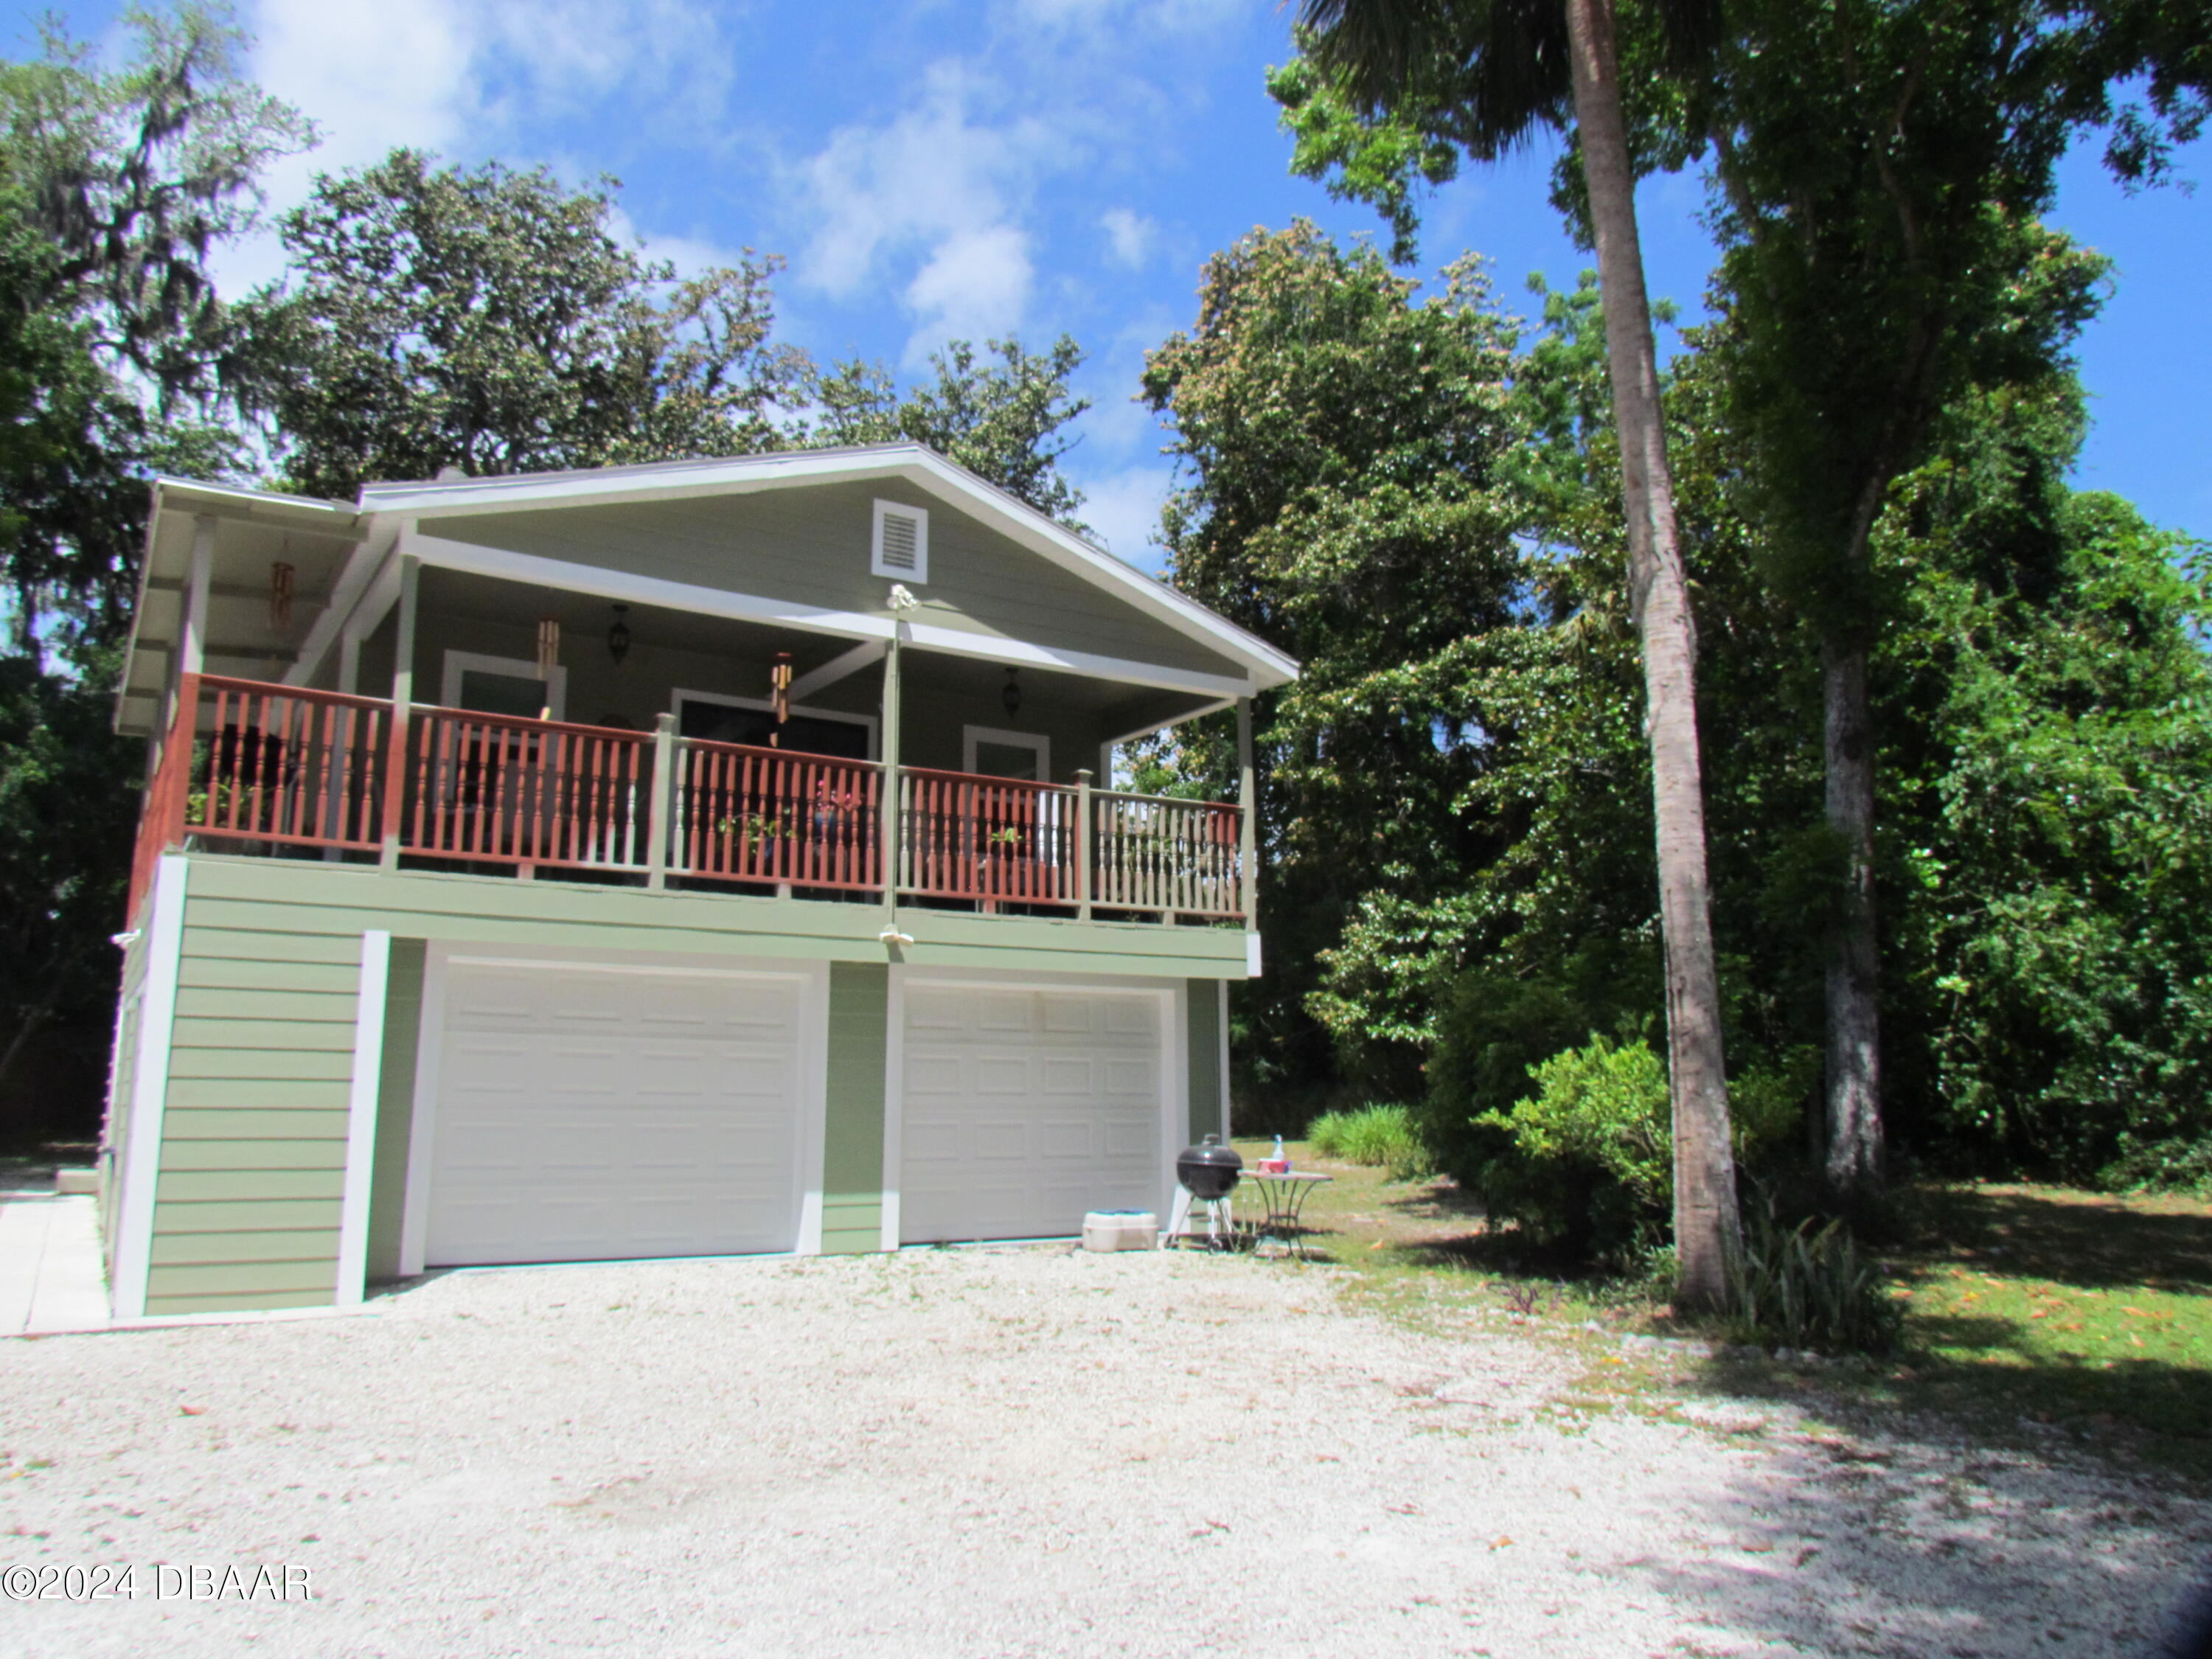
<point x="1209" y="1173"/>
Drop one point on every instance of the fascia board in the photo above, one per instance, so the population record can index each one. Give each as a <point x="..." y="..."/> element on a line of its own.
<point x="624" y="585"/>
<point x="913" y="462"/>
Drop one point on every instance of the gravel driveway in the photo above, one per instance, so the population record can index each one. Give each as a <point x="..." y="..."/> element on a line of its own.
<point x="1003" y="1453"/>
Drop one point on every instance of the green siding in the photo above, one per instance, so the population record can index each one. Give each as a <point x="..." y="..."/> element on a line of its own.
<point x="395" y="1107"/>
<point x="852" y="1132"/>
<point x="1204" y="1058"/>
<point x="253" y="1133"/>
<point x="253" y="1150"/>
<point x="809" y="545"/>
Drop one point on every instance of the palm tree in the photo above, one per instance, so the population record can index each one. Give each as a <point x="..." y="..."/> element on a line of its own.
<point x="1496" y="70"/>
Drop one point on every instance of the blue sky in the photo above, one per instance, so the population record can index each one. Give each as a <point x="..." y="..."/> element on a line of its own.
<point x="1038" y="166"/>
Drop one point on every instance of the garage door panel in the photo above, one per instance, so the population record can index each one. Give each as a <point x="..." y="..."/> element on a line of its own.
<point x="589" y="1115"/>
<point x="1003" y="1013"/>
<point x="1023" y="1110"/>
<point x="1002" y="1076"/>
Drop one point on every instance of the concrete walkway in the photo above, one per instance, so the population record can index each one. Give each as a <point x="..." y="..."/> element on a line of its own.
<point x="50" y="1270"/>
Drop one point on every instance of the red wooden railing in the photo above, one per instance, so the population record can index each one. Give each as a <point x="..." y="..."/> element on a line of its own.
<point x="281" y="765"/>
<point x="161" y="821"/>
<point x="965" y="836"/>
<point x="502" y="789"/>
<point x="249" y="763"/>
<point x="775" y="815"/>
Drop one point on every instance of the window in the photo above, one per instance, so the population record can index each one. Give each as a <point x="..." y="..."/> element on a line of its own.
<point x="745" y="719"/>
<point x="1024" y="756"/>
<point x="502" y="685"/>
<point x="901" y="546"/>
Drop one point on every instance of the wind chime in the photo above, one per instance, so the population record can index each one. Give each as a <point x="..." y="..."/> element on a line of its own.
<point x="779" y="682"/>
<point x="549" y="659"/>
<point x="280" y="606"/>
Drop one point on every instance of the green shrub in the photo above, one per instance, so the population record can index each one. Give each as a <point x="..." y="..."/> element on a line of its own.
<point x="1803" y="1289"/>
<point x="2176" y="1165"/>
<point x="1383" y="1136"/>
<point x="1583" y="1163"/>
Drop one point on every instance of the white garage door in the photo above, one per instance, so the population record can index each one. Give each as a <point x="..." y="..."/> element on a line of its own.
<point x="585" y="1115"/>
<point x="1024" y="1109"/>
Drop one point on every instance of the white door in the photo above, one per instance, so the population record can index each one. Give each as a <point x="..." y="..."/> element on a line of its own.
<point x="585" y="1114"/>
<point x="1022" y="1109"/>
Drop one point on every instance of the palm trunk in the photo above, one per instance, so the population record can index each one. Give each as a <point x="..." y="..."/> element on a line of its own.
<point x="1852" y="980"/>
<point x="1706" y="1223"/>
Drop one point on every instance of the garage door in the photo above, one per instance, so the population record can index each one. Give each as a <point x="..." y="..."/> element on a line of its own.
<point x="1022" y="1110"/>
<point x="587" y="1114"/>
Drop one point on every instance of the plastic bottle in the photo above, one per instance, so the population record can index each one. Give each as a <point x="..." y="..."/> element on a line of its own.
<point x="1281" y="1161"/>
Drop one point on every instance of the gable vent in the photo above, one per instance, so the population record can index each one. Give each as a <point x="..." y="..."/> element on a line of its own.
<point x="901" y="548"/>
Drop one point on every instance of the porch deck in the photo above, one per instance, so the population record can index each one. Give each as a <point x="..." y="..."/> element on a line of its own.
<point x="281" y="771"/>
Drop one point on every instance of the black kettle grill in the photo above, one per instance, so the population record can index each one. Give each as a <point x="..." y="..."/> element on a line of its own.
<point x="1209" y="1170"/>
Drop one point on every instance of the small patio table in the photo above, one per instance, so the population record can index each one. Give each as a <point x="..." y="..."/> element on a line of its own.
<point x="1282" y="1201"/>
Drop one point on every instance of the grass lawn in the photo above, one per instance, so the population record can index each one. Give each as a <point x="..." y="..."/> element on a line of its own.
<point x="2030" y="1310"/>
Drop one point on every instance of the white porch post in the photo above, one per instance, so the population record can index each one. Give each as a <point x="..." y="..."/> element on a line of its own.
<point x="887" y="811"/>
<point x="403" y="694"/>
<point x="1248" y="801"/>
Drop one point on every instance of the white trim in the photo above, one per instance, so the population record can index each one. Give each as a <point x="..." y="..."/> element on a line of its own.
<point x="877" y="566"/>
<point x="1252" y="955"/>
<point x="972" y="737"/>
<point x="678" y="695"/>
<point x="814" y="1104"/>
<point x="429" y="1051"/>
<point x="894" y="1105"/>
<point x="812" y="1039"/>
<point x="1175" y="1059"/>
<point x="912" y="462"/>
<point x="459" y="662"/>
<point x="150" y="1088"/>
<point x="621" y="585"/>
<point x="361" y="1116"/>
<point x="842" y="666"/>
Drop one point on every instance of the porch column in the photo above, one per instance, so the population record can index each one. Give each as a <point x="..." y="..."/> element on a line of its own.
<point x="887" y="811"/>
<point x="1247" y="801"/>
<point x="190" y="656"/>
<point x="403" y="694"/>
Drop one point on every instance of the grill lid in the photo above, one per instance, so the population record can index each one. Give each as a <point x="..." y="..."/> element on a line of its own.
<point x="1209" y="1170"/>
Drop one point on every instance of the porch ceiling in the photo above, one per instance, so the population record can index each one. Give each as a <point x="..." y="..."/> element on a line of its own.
<point x="585" y="619"/>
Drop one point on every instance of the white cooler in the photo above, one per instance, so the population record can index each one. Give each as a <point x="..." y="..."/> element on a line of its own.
<point x="1120" y="1229"/>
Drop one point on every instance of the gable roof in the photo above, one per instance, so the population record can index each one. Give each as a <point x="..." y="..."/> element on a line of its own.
<point x="914" y="463"/>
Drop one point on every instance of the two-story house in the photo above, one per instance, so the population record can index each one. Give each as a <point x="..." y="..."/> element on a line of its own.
<point x="698" y="858"/>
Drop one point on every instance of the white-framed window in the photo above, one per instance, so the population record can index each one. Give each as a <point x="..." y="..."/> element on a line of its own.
<point x="995" y="753"/>
<point x="810" y="731"/>
<point x="899" y="548"/>
<point x="502" y="685"/>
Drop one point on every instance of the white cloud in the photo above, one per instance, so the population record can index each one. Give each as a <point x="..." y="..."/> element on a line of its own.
<point x="975" y="285"/>
<point x="464" y="78"/>
<point x="932" y="172"/>
<point x="1123" y="511"/>
<point x="1129" y="237"/>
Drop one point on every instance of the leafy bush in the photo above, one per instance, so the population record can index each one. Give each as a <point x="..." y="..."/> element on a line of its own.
<point x="1383" y="1136"/>
<point x="2175" y="1165"/>
<point x="1806" y="1289"/>
<point x="1583" y="1163"/>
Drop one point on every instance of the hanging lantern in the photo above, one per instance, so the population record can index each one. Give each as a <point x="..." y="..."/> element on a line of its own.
<point x="618" y="636"/>
<point x="548" y="646"/>
<point x="1011" y="696"/>
<point x="280" y="595"/>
